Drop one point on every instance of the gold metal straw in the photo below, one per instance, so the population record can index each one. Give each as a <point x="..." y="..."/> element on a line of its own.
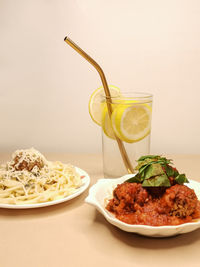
<point x="124" y="155"/>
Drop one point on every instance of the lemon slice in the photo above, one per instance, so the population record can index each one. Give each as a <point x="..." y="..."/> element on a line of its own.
<point x="95" y="106"/>
<point x="131" y="123"/>
<point x="106" y="123"/>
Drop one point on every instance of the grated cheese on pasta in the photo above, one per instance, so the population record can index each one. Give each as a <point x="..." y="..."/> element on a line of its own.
<point x="29" y="178"/>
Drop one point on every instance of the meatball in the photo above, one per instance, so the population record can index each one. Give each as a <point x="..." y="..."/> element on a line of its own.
<point x="128" y="197"/>
<point x="179" y="200"/>
<point x="131" y="192"/>
<point x="29" y="160"/>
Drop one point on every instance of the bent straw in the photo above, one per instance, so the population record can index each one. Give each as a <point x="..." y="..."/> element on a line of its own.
<point x="124" y="155"/>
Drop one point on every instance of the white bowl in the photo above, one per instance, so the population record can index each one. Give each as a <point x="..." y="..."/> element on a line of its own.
<point x="102" y="191"/>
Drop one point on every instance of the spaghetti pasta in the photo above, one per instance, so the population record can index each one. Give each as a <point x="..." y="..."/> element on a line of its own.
<point x="29" y="178"/>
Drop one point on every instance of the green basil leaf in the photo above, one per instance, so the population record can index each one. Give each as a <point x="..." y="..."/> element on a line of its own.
<point x="181" y="179"/>
<point x="157" y="181"/>
<point x="136" y="179"/>
<point x="144" y="167"/>
<point x="148" y="157"/>
<point x="144" y="163"/>
<point x="163" y="161"/>
<point x="153" y="170"/>
<point x="169" y="170"/>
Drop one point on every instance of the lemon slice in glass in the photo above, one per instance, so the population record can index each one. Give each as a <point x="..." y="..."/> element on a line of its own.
<point x="95" y="102"/>
<point x="106" y="122"/>
<point x="131" y="123"/>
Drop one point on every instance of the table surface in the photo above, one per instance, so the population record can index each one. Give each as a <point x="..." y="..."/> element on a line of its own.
<point x="75" y="234"/>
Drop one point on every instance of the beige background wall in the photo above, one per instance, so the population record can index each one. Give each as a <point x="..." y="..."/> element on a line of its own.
<point x="142" y="45"/>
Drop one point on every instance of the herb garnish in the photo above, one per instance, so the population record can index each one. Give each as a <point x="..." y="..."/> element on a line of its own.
<point x="155" y="171"/>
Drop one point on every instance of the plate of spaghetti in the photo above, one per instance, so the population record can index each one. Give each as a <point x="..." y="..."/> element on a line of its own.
<point x="157" y="201"/>
<point x="29" y="180"/>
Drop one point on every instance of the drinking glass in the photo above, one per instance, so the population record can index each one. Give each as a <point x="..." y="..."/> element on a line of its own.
<point x="131" y="122"/>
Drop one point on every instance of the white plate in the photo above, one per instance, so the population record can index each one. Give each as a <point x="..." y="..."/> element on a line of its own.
<point x="103" y="189"/>
<point x="80" y="190"/>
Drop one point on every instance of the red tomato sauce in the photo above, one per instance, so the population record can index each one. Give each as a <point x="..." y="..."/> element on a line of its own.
<point x="133" y="204"/>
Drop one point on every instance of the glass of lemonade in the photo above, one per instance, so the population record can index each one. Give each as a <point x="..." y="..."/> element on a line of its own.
<point x="130" y="121"/>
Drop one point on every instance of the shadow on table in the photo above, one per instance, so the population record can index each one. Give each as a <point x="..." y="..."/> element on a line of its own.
<point x="45" y="211"/>
<point x="139" y="241"/>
